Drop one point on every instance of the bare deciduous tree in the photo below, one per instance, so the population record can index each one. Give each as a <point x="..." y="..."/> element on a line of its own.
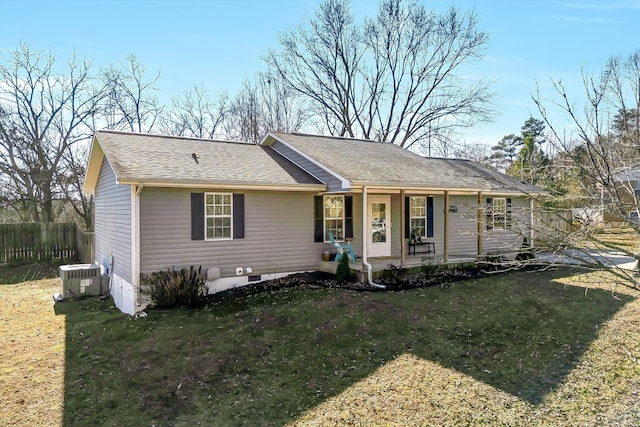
<point x="611" y="101"/>
<point x="261" y="107"/>
<point x="394" y="79"/>
<point x="194" y="114"/>
<point x="321" y="64"/>
<point x="44" y="115"/>
<point x="130" y="102"/>
<point x="603" y="149"/>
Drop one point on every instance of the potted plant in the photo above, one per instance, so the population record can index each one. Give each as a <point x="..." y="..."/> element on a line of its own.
<point x="326" y="255"/>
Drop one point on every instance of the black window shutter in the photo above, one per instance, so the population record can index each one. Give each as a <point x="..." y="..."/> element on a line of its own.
<point x="489" y="214"/>
<point x="407" y="217"/>
<point x="238" y="216"/>
<point x="429" y="216"/>
<point x="318" y="219"/>
<point x="197" y="216"/>
<point x="348" y="217"/>
<point x="508" y="216"/>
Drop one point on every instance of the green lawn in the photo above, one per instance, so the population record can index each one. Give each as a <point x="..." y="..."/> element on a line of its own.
<point x="314" y="356"/>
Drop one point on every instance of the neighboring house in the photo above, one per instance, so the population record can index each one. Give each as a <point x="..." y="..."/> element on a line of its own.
<point x="258" y="211"/>
<point x="627" y="181"/>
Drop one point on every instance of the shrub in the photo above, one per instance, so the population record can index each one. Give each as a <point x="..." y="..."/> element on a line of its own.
<point x="430" y="267"/>
<point x="494" y="259"/>
<point x="344" y="273"/>
<point x="526" y="253"/>
<point x="174" y="288"/>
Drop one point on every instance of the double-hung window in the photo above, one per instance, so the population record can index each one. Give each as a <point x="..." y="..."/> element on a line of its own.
<point x="498" y="213"/>
<point x="334" y="217"/>
<point x="218" y="216"/>
<point x="418" y="216"/>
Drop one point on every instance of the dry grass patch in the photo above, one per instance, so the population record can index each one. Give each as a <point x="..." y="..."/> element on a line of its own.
<point x="32" y="355"/>
<point x="410" y="391"/>
<point x="622" y="236"/>
<point x="602" y="280"/>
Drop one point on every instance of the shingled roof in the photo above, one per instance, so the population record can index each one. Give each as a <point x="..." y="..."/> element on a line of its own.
<point x="364" y="162"/>
<point x="155" y="159"/>
<point x="178" y="161"/>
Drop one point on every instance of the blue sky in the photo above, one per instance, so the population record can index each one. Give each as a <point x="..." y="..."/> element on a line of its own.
<point x="219" y="43"/>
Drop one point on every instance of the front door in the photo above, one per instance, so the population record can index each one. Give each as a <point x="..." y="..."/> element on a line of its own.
<point x="379" y="226"/>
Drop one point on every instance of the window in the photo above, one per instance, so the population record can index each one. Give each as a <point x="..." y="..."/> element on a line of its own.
<point x="332" y="214"/>
<point x="418" y="216"/>
<point x="218" y="216"/>
<point x="334" y="217"/>
<point x="498" y="213"/>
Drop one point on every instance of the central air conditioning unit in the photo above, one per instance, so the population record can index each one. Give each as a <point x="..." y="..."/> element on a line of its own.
<point x="80" y="280"/>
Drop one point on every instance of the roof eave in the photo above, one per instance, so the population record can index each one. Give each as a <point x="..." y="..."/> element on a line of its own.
<point x="96" y="155"/>
<point x="224" y="185"/>
<point x="358" y="186"/>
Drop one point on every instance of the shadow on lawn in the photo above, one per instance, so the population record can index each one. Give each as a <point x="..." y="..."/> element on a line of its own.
<point x="267" y="358"/>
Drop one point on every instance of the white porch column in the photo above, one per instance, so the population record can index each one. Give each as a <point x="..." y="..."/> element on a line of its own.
<point x="445" y="250"/>
<point x="532" y="231"/>
<point x="364" y="226"/>
<point x="480" y="222"/>
<point x="403" y="243"/>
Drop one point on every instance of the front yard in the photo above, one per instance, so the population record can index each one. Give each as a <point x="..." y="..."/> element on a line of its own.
<point x="524" y="348"/>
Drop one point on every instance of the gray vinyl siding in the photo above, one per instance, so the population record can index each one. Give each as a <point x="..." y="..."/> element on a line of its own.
<point x="332" y="183"/>
<point x="113" y="222"/>
<point x="463" y="228"/>
<point x="397" y="231"/>
<point x="497" y="241"/>
<point x="279" y="235"/>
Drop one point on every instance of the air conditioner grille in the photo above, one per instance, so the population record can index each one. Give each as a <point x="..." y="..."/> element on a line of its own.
<point x="80" y="280"/>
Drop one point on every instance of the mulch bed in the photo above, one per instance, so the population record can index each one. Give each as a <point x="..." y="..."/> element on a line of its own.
<point x="393" y="281"/>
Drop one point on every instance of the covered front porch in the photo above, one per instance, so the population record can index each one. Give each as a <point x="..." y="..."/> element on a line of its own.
<point x="448" y="226"/>
<point x="380" y="264"/>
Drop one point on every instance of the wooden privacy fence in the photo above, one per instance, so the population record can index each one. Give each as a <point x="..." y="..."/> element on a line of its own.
<point x="45" y="241"/>
<point x="551" y="227"/>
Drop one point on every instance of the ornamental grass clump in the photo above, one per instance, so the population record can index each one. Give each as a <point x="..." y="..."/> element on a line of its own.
<point x="175" y="288"/>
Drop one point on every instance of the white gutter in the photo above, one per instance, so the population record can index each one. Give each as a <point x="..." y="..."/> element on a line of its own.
<point x="222" y="186"/>
<point x="365" y="240"/>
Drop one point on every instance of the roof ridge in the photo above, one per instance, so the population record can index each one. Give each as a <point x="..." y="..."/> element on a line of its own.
<point x="348" y="138"/>
<point x="157" y="135"/>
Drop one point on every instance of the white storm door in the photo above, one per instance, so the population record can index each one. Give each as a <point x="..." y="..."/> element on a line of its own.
<point x="379" y="226"/>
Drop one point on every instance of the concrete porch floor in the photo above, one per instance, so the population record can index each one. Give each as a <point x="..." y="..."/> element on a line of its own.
<point x="380" y="264"/>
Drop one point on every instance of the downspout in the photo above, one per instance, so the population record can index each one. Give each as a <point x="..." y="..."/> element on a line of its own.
<point x="365" y="239"/>
<point x="136" y="271"/>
